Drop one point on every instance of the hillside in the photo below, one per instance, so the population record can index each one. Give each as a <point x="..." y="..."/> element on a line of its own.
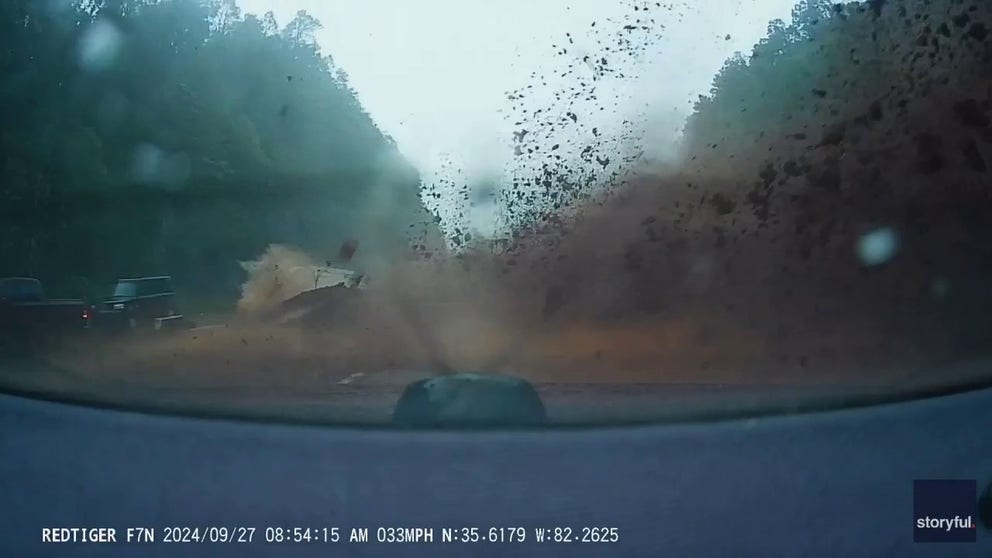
<point x="181" y="136"/>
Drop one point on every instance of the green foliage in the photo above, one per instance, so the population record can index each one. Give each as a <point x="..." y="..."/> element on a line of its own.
<point x="860" y="114"/>
<point x="796" y="79"/>
<point x="860" y="78"/>
<point x="176" y="136"/>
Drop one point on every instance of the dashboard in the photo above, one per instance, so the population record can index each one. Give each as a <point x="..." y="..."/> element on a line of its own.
<point x="81" y="481"/>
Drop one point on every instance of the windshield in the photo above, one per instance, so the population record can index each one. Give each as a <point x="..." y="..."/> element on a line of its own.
<point x="642" y="209"/>
<point x="142" y="287"/>
<point x="125" y="290"/>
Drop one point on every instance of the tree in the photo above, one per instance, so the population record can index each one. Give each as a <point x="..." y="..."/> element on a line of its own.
<point x="269" y="25"/>
<point x="302" y="30"/>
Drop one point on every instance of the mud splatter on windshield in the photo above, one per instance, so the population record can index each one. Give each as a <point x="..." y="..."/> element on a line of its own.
<point x="816" y="221"/>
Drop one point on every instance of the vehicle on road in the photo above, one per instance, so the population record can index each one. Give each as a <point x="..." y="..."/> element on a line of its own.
<point x="146" y="303"/>
<point x="27" y="315"/>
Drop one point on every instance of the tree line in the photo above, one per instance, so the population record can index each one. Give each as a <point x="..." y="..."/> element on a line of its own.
<point x="178" y="136"/>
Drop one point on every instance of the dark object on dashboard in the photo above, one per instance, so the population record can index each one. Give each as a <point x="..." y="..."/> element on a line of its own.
<point x="470" y="401"/>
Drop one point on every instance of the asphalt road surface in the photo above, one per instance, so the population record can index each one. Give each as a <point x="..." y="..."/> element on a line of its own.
<point x="368" y="399"/>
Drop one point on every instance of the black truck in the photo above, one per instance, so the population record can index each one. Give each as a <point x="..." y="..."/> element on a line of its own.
<point x="141" y="303"/>
<point x="27" y="316"/>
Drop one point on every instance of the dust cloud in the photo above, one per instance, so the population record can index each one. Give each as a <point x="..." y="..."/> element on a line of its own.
<point x="276" y="276"/>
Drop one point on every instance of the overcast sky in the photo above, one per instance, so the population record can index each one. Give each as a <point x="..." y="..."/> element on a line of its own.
<point x="434" y="74"/>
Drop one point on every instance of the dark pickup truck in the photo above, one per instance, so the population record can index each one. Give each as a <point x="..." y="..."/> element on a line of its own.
<point x="144" y="303"/>
<point x="26" y="315"/>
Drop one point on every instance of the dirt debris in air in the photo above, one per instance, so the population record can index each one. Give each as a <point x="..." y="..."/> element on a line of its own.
<point x="738" y="264"/>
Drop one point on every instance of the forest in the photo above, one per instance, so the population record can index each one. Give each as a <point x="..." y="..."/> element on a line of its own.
<point x="858" y="116"/>
<point x="145" y="137"/>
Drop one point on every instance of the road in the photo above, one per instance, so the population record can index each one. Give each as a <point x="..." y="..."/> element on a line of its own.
<point x="368" y="398"/>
